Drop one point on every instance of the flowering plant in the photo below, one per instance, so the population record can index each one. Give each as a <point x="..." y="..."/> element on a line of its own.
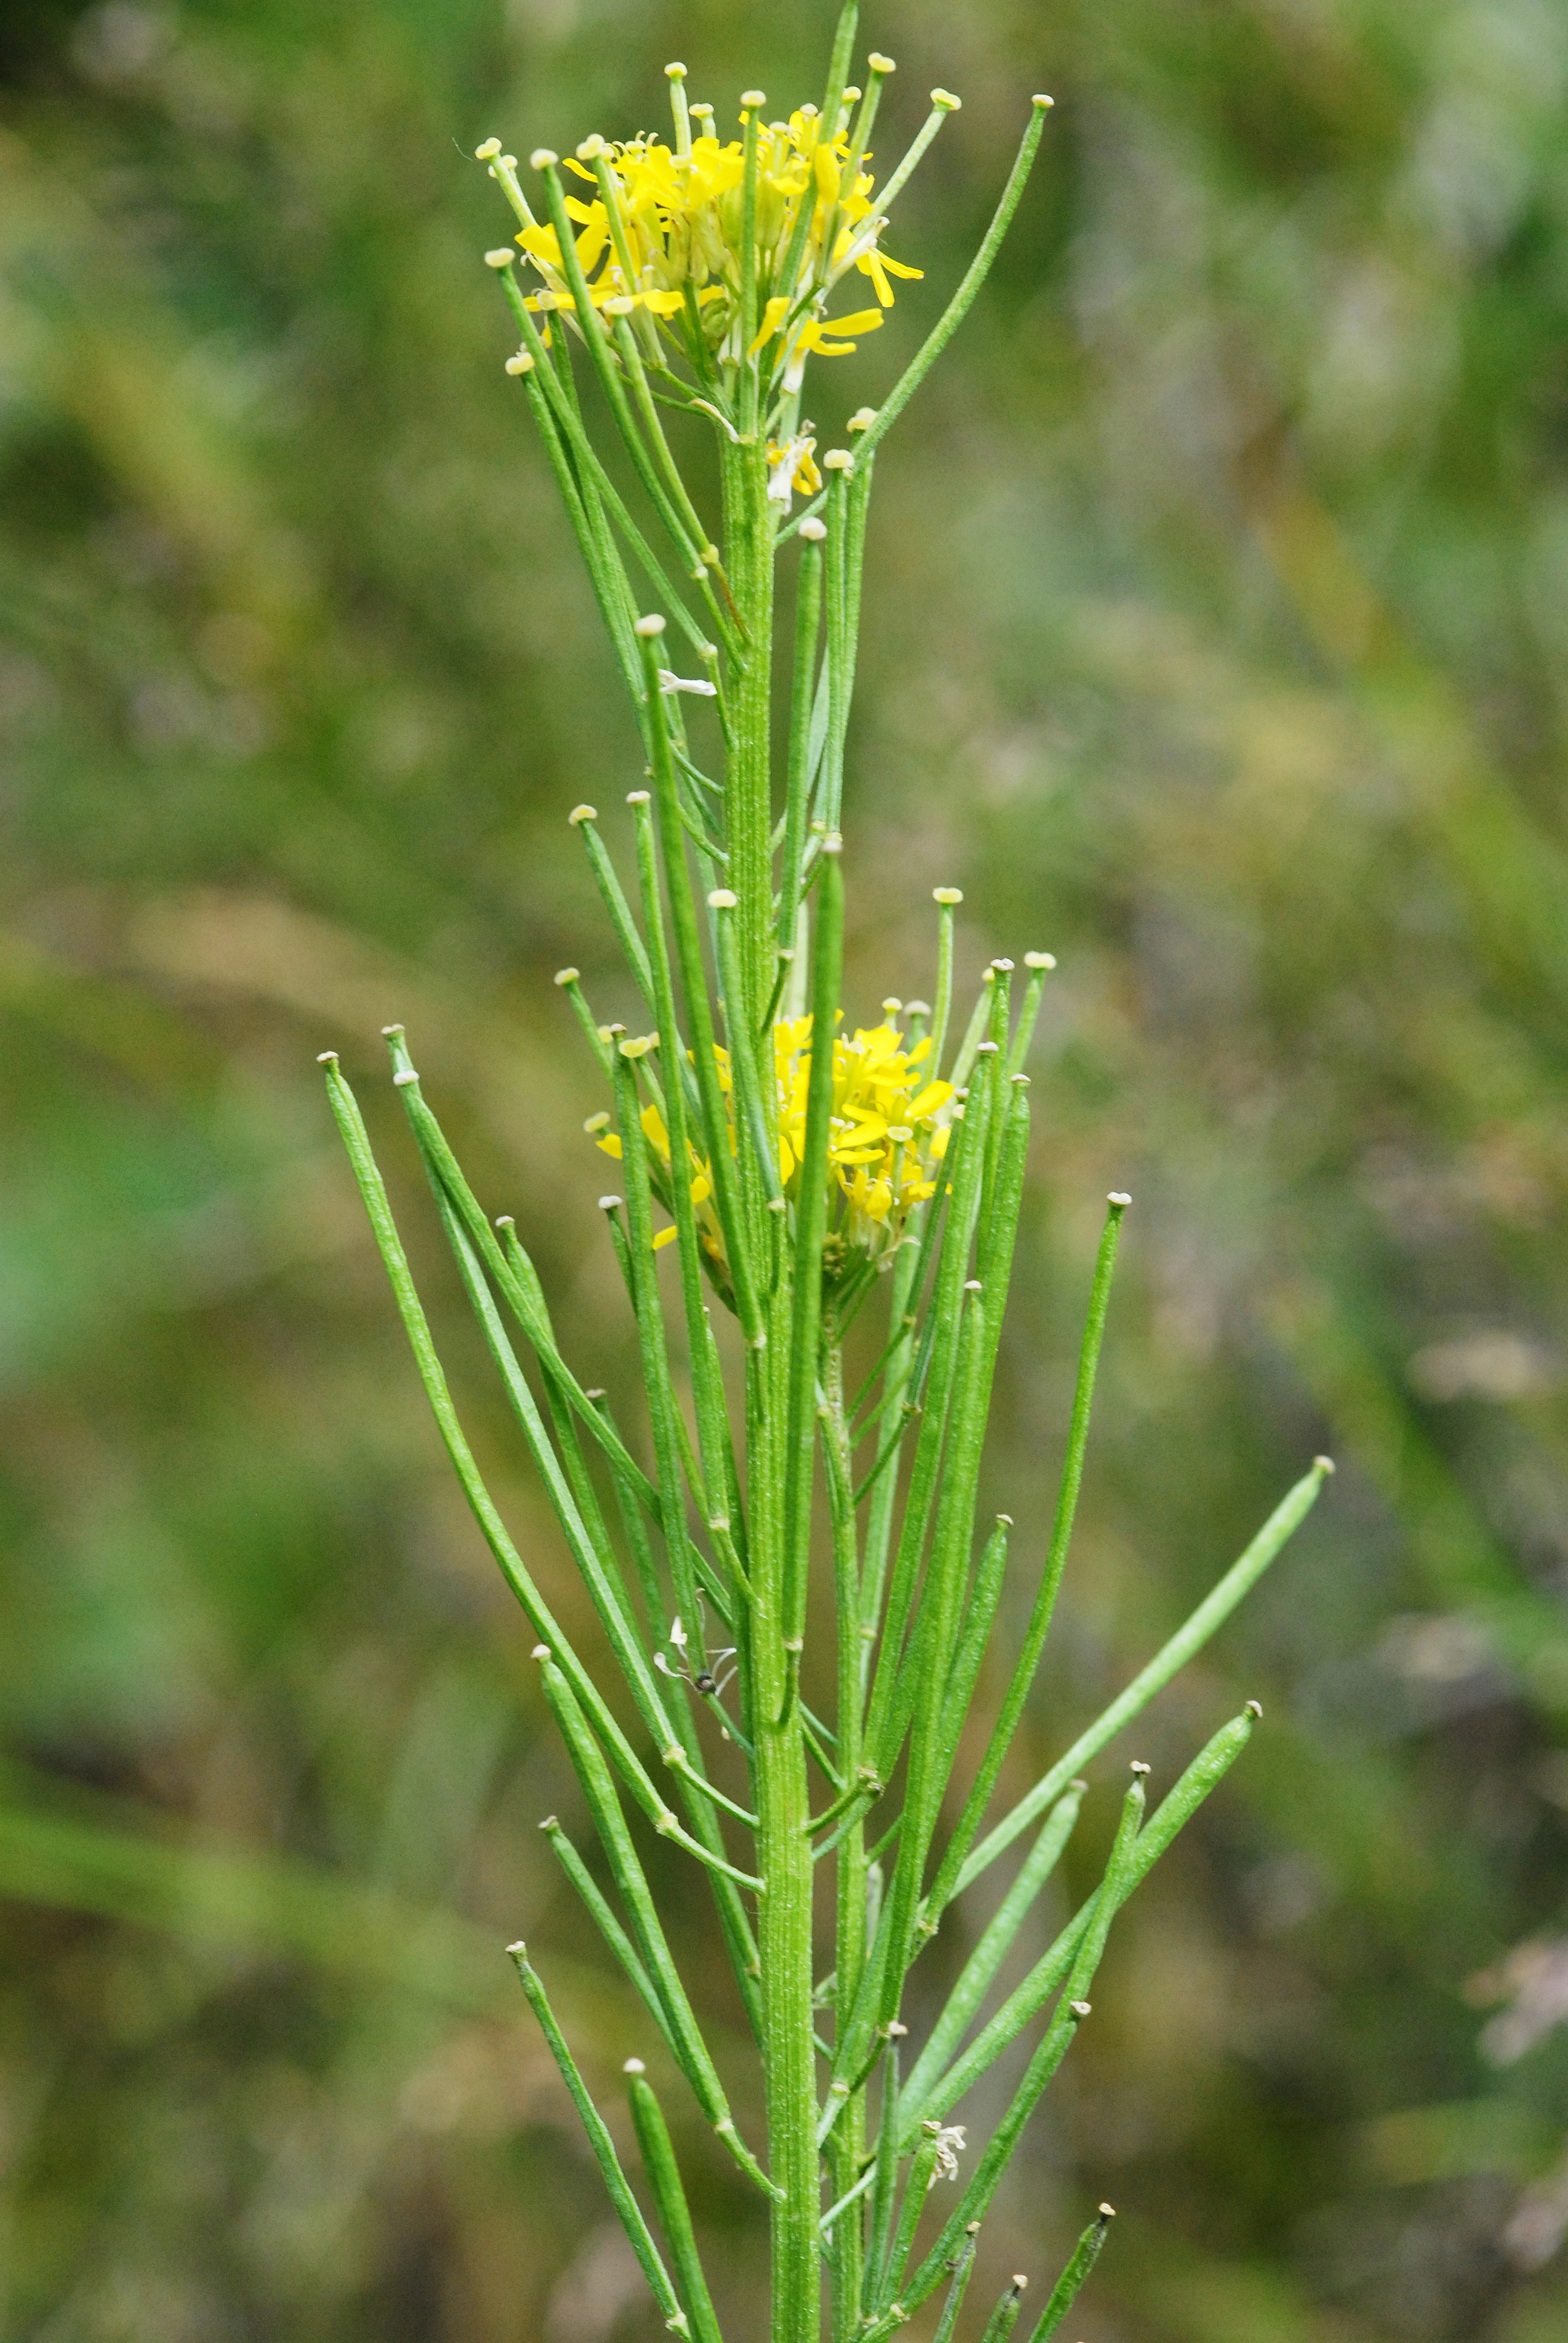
<point x="841" y="1198"/>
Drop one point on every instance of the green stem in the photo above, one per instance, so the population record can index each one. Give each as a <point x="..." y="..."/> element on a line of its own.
<point x="808" y="619"/>
<point x="848" y="2148"/>
<point x="748" y="796"/>
<point x="784" y="1854"/>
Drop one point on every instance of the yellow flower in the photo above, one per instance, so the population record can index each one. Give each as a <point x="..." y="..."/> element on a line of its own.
<point x="890" y="1130"/>
<point x="673" y="227"/>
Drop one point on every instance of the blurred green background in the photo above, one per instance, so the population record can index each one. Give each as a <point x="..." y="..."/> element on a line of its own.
<point x="1215" y="639"/>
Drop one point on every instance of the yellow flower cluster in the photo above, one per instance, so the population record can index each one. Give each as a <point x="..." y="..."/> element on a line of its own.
<point x="668" y="240"/>
<point x="888" y="1132"/>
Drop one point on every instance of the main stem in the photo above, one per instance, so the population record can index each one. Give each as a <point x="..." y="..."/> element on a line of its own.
<point x="783" y="1847"/>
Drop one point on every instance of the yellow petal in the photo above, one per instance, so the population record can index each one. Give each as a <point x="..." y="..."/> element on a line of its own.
<point x="657" y="1137"/>
<point x="934" y="1095"/>
<point x="665" y="1237"/>
<point x="773" y="316"/>
<point x="592" y="241"/>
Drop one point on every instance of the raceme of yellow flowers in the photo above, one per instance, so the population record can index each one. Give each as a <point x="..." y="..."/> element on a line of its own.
<point x="890" y="1130"/>
<point x="665" y="230"/>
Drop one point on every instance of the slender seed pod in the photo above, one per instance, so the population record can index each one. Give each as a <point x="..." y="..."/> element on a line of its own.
<point x="1205" y="1774"/>
<point x="599" y="1910"/>
<point x="603" y="2147"/>
<point x="1004" y="2318"/>
<point x="962" y="2267"/>
<point x="1070" y="2285"/>
<point x="670" y="2195"/>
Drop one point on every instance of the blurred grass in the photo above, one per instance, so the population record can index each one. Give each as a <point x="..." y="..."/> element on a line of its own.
<point x="1215" y="640"/>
